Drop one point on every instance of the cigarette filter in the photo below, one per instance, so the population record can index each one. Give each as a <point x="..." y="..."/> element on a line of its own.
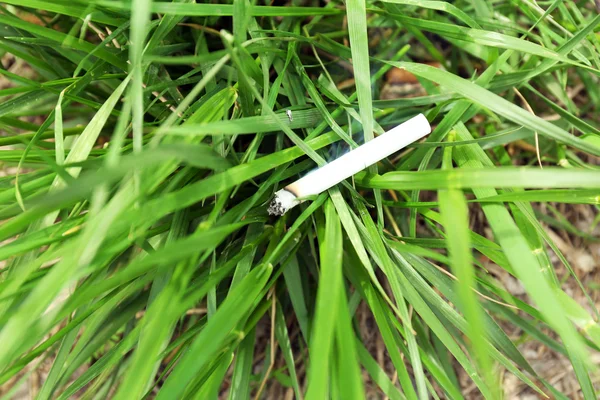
<point x="350" y="163"/>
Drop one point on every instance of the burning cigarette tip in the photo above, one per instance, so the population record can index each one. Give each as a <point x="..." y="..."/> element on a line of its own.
<point x="283" y="201"/>
<point x="276" y="208"/>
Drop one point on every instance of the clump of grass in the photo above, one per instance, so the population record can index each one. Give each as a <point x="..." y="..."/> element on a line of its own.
<point x="143" y="140"/>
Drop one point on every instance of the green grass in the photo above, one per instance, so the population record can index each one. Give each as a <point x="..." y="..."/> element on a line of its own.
<point x="143" y="140"/>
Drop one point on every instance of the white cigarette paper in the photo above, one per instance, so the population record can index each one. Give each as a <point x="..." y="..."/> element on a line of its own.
<point x="350" y="163"/>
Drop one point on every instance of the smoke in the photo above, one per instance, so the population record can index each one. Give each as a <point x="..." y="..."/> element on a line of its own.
<point x="340" y="148"/>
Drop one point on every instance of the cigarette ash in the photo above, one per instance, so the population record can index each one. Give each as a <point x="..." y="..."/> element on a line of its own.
<point x="276" y="207"/>
<point x="282" y="202"/>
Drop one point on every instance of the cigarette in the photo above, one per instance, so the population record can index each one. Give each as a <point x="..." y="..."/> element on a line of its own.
<point x="349" y="164"/>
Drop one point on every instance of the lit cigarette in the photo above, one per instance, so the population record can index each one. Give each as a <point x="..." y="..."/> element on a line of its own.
<point x="349" y="164"/>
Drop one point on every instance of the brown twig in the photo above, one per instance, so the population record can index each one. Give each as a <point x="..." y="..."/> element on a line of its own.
<point x="273" y="347"/>
<point x="442" y="270"/>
